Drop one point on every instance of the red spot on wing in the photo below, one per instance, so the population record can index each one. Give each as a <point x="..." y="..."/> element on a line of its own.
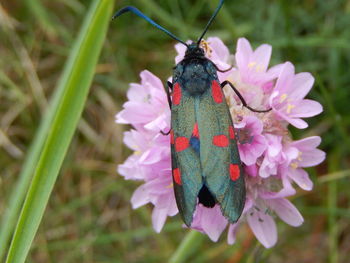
<point x="220" y="140"/>
<point x="172" y="136"/>
<point x="216" y="92"/>
<point x="195" y="132"/>
<point x="232" y="132"/>
<point x="181" y="143"/>
<point x="176" y="94"/>
<point x="234" y="172"/>
<point x="177" y="176"/>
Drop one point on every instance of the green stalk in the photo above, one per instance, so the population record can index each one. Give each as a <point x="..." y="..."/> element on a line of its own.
<point x="188" y="246"/>
<point x="332" y="197"/>
<point x="75" y="82"/>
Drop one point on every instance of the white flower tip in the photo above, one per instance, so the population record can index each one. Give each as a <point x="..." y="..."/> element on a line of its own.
<point x="264" y="175"/>
<point x="158" y="219"/>
<point x="306" y="187"/>
<point x="157" y="228"/>
<point x="298" y="123"/>
<point x="119" y="118"/>
<point x="298" y="223"/>
<point x="230" y="240"/>
<point x="214" y="236"/>
<point x="269" y="245"/>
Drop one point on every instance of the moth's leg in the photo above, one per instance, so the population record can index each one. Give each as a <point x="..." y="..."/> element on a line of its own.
<point x="170" y="86"/>
<point x="223" y="84"/>
<point x="223" y="70"/>
<point x="165" y="133"/>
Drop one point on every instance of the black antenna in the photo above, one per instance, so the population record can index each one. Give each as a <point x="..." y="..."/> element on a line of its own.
<point x="210" y="21"/>
<point x="140" y="14"/>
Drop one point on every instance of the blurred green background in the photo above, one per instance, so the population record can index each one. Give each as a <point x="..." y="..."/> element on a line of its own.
<point x="89" y="217"/>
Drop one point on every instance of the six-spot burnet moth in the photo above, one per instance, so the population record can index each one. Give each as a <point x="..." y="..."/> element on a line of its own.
<point x="206" y="166"/>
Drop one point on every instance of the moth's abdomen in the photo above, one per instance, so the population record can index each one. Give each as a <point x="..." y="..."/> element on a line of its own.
<point x="206" y="198"/>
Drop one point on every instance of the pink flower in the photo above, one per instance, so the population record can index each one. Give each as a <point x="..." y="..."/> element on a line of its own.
<point x="273" y="156"/>
<point x="147" y="106"/>
<point x="252" y="143"/>
<point x="287" y="99"/>
<point x="273" y="161"/>
<point x="252" y="65"/>
<point x="252" y="77"/>
<point x="307" y="155"/>
<point x="159" y="192"/>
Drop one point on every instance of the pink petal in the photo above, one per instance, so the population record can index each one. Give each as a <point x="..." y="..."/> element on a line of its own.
<point x="312" y="158"/>
<point x="136" y="92"/>
<point x="246" y="155"/>
<point x="263" y="227"/>
<point x="129" y="140"/>
<point x="254" y="124"/>
<point x="302" y="84"/>
<point x="251" y="170"/>
<point x="259" y="144"/>
<point x="275" y="71"/>
<point x="286" y="211"/>
<point x="173" y="210"/>
<point x="301" y="177"/>
<point x="231" y="235"/>
<point x="134" y="112"/>
<point x="213" y="222"/>
<point x="159" y="216"/>
<point x="147" y="78"/>
<point x="284" y="192"/>
<point x="220" y="51"/>
<point x="262" y="56"/>
<point x="306" y="108"/>
<point x="307" y="143"/>
<point x="274" y="144"/>
<point x="267" y="168"/>
<point x="285" y="78"/>
<point x="298" y="123"/>
<point x="130" y="169"/>
<point x="249" y="153"/>
<point x="140" y="197"/>
<point x="151" y="156"/>
<point x="210" y="221"/>
<point x="243" y="53"/>
<point x="158" y="124"/>
<point x="180" y="49"/>
<point x="291" y="153"/>
<point x="119" y="118"/>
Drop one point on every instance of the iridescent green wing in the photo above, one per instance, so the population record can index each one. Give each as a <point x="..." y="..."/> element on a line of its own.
<point x="186" y="167"/>
<point x="221" y="166"/>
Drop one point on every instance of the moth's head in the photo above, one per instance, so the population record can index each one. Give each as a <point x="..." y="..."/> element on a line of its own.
<point x="194" y="51"/>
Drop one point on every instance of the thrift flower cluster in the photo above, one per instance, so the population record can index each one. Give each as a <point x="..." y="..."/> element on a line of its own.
<point x="273" y="161"/>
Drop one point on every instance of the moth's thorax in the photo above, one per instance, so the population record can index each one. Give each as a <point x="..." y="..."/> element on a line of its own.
<point x="195" y="75"/>
<point x="194" y="51"/>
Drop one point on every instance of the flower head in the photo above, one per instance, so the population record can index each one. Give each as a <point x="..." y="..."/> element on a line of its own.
<point x="272" y="160"/>
<point x="287" y="99"/>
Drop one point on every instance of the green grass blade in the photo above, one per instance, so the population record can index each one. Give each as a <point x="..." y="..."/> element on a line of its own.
<point x="188" y="246"/>
<point x="32" y="156"/>
<point x="75" y="81"/>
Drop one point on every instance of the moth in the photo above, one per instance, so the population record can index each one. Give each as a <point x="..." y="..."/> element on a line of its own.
<point x="206" y="167"/>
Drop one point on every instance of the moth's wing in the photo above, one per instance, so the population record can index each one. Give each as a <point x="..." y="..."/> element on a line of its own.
<point x="186" y="167"/>
<point x="221" y="166"/>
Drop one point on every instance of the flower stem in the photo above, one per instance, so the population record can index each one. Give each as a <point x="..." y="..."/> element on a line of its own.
<point x="187" y="247"/>
<point x="332" y="206"/>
